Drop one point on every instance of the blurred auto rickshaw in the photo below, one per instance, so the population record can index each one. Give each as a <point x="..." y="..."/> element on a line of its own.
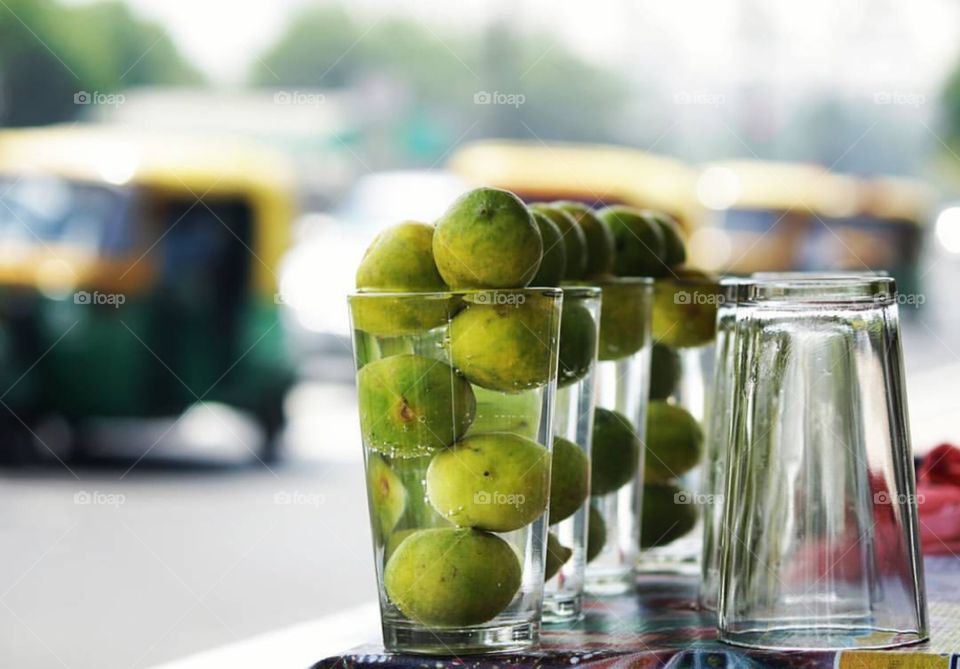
<point x="779" y="216"/>
<point x="740" y="216"/>
<point x="137" y="278"/>
<point x="887" y="230"/>
<point x="597" y="175"/>
<point x="768" y="211"/>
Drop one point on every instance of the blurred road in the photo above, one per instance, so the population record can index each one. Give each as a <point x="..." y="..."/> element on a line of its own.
<point x="114" y="569"/>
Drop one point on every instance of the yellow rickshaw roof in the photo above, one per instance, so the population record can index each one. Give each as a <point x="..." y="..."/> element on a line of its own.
<point x="118" y="155"/>
<point x="781" y="186"/>
<point x="807" y="187"/>
<point x="898" y="198"/>
<point x="581" y="171"/>
<point x="178" y="164"/>
<point x="603" y="172"/>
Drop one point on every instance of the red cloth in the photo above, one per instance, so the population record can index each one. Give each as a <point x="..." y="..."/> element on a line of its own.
<point x="938" y="501"/>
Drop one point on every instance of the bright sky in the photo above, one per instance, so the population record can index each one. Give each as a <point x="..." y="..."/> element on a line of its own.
<point x="839" y="42"/>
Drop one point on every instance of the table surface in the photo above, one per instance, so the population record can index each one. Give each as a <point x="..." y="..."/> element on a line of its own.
<point x="660" y="625"/>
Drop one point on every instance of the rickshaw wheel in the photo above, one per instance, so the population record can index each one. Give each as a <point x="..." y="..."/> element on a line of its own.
<point x="272" y="421"/>
<point x="16" y="444"/>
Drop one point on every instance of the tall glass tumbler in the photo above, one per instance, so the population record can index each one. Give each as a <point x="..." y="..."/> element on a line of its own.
<point x="719" y="415"/>
<point x="718" y="425"/>
<point x="623" y="377"/>
<point x="820" y="548"/>
<point x="573" y="436"/>
<point x="719" y="421"/>
<point x="456" y="395"/>
<point x="684" y="328"/>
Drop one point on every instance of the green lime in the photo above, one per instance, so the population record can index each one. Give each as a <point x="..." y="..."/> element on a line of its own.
<point x="640" y="247"/>
<point x="554" y="262"/>
<point x="674" y="442"/>
<point x="596" y="533"/>
<point x="573" y="238"/>
<point x="487" y="239"/>
<point x="665" y="371"/>
<point x="675" y="250"/>
<point x="557" y="556"/>
<point x="601" y="246"/>
<point x="668" y="513"/>
<point x="569" y="479"/>
<point x="685" y="311"/>
<point x="616" y="452"/>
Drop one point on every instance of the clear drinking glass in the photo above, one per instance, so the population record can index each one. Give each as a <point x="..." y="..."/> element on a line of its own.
<point x="718" y="423"/>
<point x="684" y="328"/>
<point x="820" y="547"/>
<point x="623" y="376"/>
<point x="456" y="394"/>
<point x="573" y="432"/>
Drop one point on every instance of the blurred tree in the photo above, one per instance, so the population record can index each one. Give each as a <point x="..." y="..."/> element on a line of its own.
<point x="860" y="138"/>
<point x="951" y="109"/>
<point x="49" y="53"/>
<point x="137" y="52"/>
<point x="496" y="83"/>
<point x="556" y="94"/>
<point x="25" y="60"/>
<point x="314" y="51"/>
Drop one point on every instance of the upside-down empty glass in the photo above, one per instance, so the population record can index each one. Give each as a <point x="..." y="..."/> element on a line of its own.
<point x="718" y="421"/>
<point x="820" y="548"/>
<point x="573" y="432"/>
<point x="717" y="426"/>
<point x="456" y="394"/>
<point x="623" y="377"/>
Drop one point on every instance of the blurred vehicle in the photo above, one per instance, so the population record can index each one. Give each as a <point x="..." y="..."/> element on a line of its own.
<point x="137" y="278"/>
<point x="740" y="216"/>
<point x="314" y="129"/>
<point x="767" y="212"/>
<point x="594" y="174"/>
<point x="886" y="232"/>
<point x="318" y="272"/>
<point x="794" y="216"/>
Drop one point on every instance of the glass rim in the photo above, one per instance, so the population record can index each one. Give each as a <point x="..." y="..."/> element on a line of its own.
<point x="549" y="292"/>
<point x="822" y="290"/>
<point x="690" y="280"/>
<point x="734" y="289"/>
<point x="818" y="275"/>
<point x="581" y="291"/>
<point x="622" y="281"/>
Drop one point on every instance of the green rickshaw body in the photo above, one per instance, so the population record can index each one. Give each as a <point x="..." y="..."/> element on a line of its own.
<point x="138" y="276"/>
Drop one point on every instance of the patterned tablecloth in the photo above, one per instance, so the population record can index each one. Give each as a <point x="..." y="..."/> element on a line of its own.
<point x="660" y="626"/>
